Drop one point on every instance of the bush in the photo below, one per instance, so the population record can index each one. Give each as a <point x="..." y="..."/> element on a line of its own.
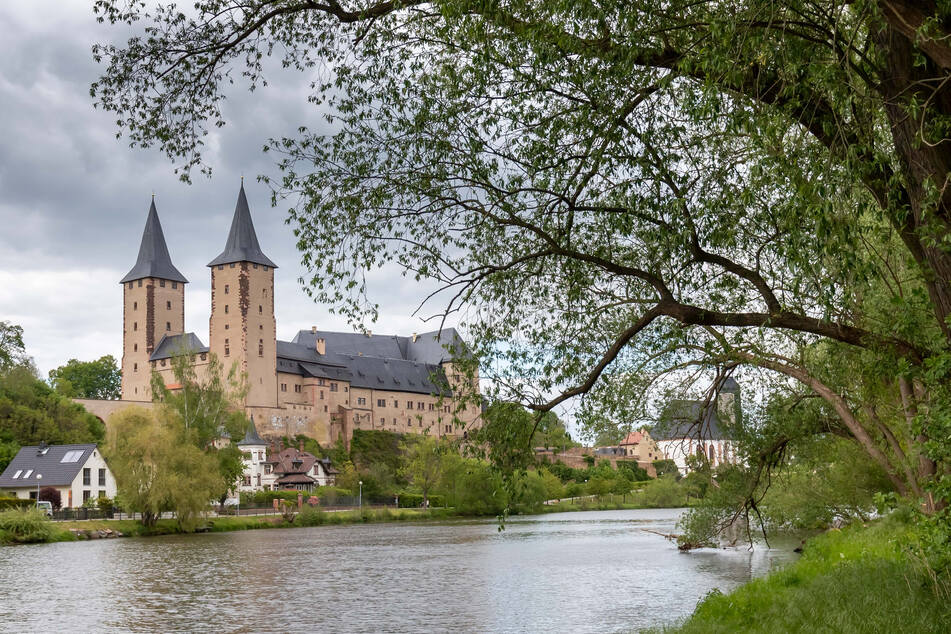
<point x="310" y="516"/>
<point x="415" y="500"/>
<point x="25" y="526"/>
<point x="266" y="498"/>
<point x="663" y="492"/>
<point x="16" y="503"/>
<point x="51" y="495"/>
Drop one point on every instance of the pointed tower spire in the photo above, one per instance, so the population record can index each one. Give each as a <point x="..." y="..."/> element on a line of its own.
<point x="251" y="437"/>
<point x="153" y="260"/>
<point x="242" y="245"/>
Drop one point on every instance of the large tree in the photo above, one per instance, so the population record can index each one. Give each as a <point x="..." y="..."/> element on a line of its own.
<point x="599" y="183"/>
<point x="101" y="379"/>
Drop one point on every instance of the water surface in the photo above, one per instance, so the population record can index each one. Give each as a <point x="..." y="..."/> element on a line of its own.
<point x="592" y="571"/>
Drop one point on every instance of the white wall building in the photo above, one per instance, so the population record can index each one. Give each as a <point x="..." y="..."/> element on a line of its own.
<point x="78" y="472"/>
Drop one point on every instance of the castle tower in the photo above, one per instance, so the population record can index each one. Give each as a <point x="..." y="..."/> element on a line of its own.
<point x="242" y="328"/>
<point x="153" y="306"/>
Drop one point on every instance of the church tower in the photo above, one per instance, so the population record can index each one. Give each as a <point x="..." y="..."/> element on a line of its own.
<point x="242" y="327"/>
<point x="153" y="306"/>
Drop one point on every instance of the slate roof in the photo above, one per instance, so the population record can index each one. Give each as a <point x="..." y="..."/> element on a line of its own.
<point x="242" y="244"/>
<point x="680" y="418"/>
<point x="153" y="260"/>
<point x="49" y="465"/>
<point x="430" y="347"/>
<point x="174" y="345"/>
<point x="251" y="437"/>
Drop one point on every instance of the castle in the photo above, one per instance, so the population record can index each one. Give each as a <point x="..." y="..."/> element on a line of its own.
<point x="322" y="384"/>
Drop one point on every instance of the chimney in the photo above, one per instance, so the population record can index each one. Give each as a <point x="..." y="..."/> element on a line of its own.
<point x="280" y="445"/>
<point x="414" y="337"/>
<point x="300" y="446"/>
<point x="313" y="330"/>
<point x="321" y="345"/>
<point x="369" y="333"/>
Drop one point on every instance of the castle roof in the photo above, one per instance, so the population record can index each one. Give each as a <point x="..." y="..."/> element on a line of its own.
<point x="379" y="362"/>
<point x="153" y="260"/>
<point x="251" y="437"/>
<point x="173" y="345"/>
<point x="242" y="244"/>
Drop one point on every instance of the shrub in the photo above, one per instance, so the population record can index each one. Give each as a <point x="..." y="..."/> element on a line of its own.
<point x="25" y="526"/>
<point x="16" y="503"/>
<point x="51" y="495"/>
<point x="310" y="516"/>
<point x="663" y="492"/>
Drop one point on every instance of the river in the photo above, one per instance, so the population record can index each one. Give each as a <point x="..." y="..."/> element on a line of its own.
<point x="591" y="571"/>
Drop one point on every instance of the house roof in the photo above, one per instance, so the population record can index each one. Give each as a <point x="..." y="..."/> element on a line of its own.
<point x="682" y="419"/>
<point x="632" y="438"/>
<point x="251" y="437"/>
<point x="381" y="362"/>
<point x="242" y="244"/>
<point x="153" y="260"/>
<point x="296" y="478"/>
<point x="175" y="345"/>
<point x="49" y="463"/>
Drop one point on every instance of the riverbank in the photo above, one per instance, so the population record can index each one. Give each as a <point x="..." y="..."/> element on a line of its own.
<point x="863" y="578"/>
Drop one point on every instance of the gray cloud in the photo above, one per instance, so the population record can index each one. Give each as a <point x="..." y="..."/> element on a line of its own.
<point x="74" y="198"/>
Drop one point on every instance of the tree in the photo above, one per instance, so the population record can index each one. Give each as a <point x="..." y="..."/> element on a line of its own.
<point x="157" y="469"/>
<point x="423" y="464"/>
<point x="12" y="350"/>
<point x="51" y="495"/>
<point x="100" y="379"/>
<point x="618" y="183"/>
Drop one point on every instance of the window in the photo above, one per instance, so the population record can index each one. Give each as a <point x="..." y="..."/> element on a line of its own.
<point x="226" y="308"/>
<point x="255" y="266"/>
<point x="135" y="305"/>
<point x="102" y="494"/>
<point x="265" y="267"/>
<point x="325" y="408"/>
<point x="383" y="421"/>
<point x="409" y="423"/>
<point x="140" y="283"/>
<point x="221" y="267"/>
<point x="168" y="326"/>
<point x="204" y="357"/>
<point x="227" y="349"/>
<point x="321" y="395"/>
<point x="87" y="475"/>
<point x="409" y="404"/>
<point x="227" y="326"/>
<point x="297" y="388"/>
<point x="227" y="288"/>
<point x="135" y="325"/>
<point x="17" y="474"/>
<point x="135" y="347"/>
<point x="432" y="406"/>
<point x="163" y="363"/>
<point x="420" y="405"/>
<point x="130" y="284"/>
<point x="231" y="265"/>
<point x="28" y="473"/>
<point x="135" y="367"/>
<point x="86" y="495"/>
<point x="260" y="309"/>
<point x="361" y="401"/>
<point x="283" y="387"/>
<point x="261" y="348"/>
<point x="333" y="387"/>
<point x="445" y="409"/>
<point x="381" y="402"/>
<point x="168" y="305"/>
<point x="320" y="382"/>
<point x="395" y="403"/>
<point x="102" y="477"/>
<point x="346" y="389"/>
<point x="174" y="284"/>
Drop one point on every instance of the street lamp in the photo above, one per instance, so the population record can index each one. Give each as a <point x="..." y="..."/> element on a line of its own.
<point x="361" y="495"/>
<point x="39" y="476"/>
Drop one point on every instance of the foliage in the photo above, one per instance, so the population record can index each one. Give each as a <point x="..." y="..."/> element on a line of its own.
<point x="99" y="379"/>
<point x="24" y="526"/>
<point x="664" y="467"/>
<point x="422" y="465"/>
<point x="12" y="350"/>
<point x="7" y="503"/>
<point x="157" y="467"/>
<point x="32" y="413"/>
<point x="855" y="580"/>
<point x="368" y="447"/>
<point x="665" y="492"/>
<point x="51" y="495"/>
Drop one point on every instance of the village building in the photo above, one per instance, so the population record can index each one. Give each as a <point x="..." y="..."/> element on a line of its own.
<point x="321" y="384"/>
<point x="693" y="427"/>
<point x="78" y="472"/>
<point x="272" y="467"/>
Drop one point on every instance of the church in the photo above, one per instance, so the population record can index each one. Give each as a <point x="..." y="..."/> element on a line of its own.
<point x="322" y="384"/>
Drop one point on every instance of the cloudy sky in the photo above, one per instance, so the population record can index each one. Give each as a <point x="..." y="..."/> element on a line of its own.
<point x="73" y="197"/>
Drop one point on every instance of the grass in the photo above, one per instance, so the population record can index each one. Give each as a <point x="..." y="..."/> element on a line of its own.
<point x="859" y="579"/>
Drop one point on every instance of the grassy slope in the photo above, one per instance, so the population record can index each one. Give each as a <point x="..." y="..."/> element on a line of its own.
<point x="860" y="579"/>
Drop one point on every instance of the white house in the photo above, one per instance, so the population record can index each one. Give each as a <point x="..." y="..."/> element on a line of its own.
<point x="78" y="472"/>
<point x="273" y="468"/>
<point x="689" y="428"/>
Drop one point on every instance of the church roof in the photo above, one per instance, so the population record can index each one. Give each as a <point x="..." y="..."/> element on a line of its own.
<point x="153" y="260"/>
<point x="173" y="345"/>
<point x="242" y="244"/>
<point x="251" y="437"/>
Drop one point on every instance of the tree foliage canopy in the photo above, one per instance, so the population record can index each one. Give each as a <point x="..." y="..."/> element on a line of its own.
<point x="612" y="192"/>
<point x="100" y="379"/>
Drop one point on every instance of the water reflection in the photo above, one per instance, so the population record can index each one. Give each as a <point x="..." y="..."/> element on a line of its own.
<point x="577" y="572"/>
